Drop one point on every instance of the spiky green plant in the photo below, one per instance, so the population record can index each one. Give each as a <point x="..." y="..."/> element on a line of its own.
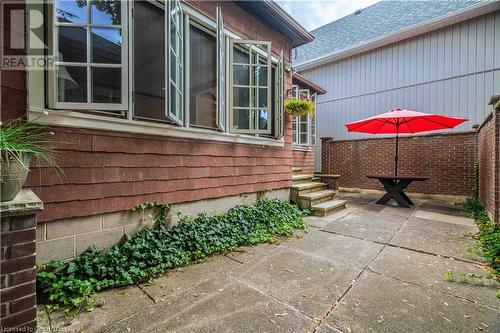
<point x="19" y="138"/>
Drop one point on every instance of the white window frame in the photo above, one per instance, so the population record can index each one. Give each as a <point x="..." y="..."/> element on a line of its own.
<point x="296" y="121"/>
<point x="253" y="111"/>
<point x="54" y="45"/>
<point x="221" y="114"/>
<point x="176" y="84"/>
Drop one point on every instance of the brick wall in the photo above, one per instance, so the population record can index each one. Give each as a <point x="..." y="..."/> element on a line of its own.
<point x="488" y="138"/>
<point x="17" y="263"/>
<point x="447" y="158"/>
<point x="13" y="99"/>
<point x="108" y="172"/>
<point x="304" y="158"/>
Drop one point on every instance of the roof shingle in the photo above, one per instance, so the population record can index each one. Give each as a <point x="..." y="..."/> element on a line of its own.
<point x="382" y="18"/>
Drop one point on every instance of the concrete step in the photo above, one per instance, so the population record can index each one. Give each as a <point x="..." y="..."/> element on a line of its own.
<point x="312" y="198"/>
<point x="324" y="208"/>
<point x="297" y="179"/>
<point x="297" y="190"/>
<point x="296" y="170"/>
<point x="316" y="179"/>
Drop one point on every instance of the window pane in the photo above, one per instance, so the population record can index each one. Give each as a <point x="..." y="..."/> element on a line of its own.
<point x="241" y="119"/>
<point x="106" y="45"/>
<point x="241" y="75"/>
<point x="203" y="78"/>
<point x="175" y="101"/>
<point x="105" y="12"/>
<point x="260" y="76"/>
<point x="240" y="56"/>
<point x="72" y="44"/>
<point x="263" y="115"/>
<point x="303" y="138"/>
<point x="294" y="129"/>
<point x="241" y="97"/>
<point x="72" y="84"/>
<point x="149" y="67"/>
<point x="260" y="94"/>
<point x="106" y="85"/>
<point x="74" y="11"/>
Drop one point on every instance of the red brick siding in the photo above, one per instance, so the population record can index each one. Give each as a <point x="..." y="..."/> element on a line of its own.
<point x="13" y="97"/>
<point x="304" y="159"/>
<point x="488" y="139"/>
<point x="447" y="158"/>
<point x="18" y="275"/>
<point x="109" y="171"/>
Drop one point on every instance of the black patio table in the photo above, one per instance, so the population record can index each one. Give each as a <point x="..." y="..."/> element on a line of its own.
<point x="394" y="186"/>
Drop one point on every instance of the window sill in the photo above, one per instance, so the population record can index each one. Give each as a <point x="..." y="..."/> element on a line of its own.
<point x="82" y="120"/>
<point x="302" y="148"/>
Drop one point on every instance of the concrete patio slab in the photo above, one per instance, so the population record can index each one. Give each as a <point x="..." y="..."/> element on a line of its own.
<point x="367" y="225"/>
<point x="321" y="221"/>
<point x="177" y="281"/>
<point x="442" y="217"/>
<point x="428" y="271"/>
<point x="381" y="304"/>
<point x="308" y="283"/>
<point x="112" y="306"/>
<point x="435" y="237"/>
<point x="336" y="248"/>
<point x="340" y="276"/>
<point x="441" y="207"/>
<point x="218" y="305"/>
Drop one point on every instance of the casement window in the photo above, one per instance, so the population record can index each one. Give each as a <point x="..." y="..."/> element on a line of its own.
<point x="149" y="67"/>
<point x="251" y="86"/>
<point x="90" y="51"/>
<point x="181" y="68"/>
<point x="303" y="127"/>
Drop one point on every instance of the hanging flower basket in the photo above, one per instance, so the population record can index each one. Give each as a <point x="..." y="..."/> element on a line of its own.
<point x="299" y="107"/>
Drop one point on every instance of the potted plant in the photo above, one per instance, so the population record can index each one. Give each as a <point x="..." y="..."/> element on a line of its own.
<point x="299" y="107"/>
<point x="20" y="141"/>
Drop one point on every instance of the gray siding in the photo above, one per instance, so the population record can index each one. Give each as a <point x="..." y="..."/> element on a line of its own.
<point x="451" y="71"/>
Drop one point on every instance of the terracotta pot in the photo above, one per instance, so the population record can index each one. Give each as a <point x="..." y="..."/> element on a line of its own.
<point x="13" y="175"/>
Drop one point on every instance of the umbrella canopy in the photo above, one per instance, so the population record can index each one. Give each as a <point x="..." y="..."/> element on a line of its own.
<point x="403" y="121"/>
<point x="398" y="121"/>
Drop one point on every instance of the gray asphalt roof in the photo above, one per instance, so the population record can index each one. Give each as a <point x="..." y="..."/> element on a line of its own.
<point x="380" y="19"/>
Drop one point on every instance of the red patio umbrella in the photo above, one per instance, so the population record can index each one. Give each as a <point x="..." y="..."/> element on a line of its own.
<point x="398" y="121"/>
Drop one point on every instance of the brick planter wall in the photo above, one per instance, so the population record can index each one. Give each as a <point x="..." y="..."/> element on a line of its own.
<point x="447" y="158"/>
<point x="488" y="138"/>
<point x="17" y="263"/>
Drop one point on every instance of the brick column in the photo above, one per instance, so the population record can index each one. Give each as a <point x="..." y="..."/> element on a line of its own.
<point x="325" y="155"/>
<point x="18" y="262"/>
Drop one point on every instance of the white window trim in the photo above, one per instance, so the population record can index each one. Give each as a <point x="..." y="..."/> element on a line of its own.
<point x="52" y="77"/>
<point x="90" y="121"/>
<point x="296" y="144"/>
<point x="76" y="119"/>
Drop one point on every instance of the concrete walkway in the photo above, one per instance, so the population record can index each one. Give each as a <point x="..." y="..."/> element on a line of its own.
<point x="368" y="268"/>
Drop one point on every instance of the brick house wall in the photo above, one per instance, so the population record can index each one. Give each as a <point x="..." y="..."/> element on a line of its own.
<point x="447" y="158"/>
<point x="304" y="158"/>
<point x="111" y="172"/>
<point x="488" y="140"/>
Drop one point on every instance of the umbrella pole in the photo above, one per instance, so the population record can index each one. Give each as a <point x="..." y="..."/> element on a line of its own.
<point x="397" y="148"/>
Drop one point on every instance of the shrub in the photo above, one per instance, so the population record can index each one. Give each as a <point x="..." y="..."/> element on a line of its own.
<point x="152" y="251"/>
<point x="488" y="236"/>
